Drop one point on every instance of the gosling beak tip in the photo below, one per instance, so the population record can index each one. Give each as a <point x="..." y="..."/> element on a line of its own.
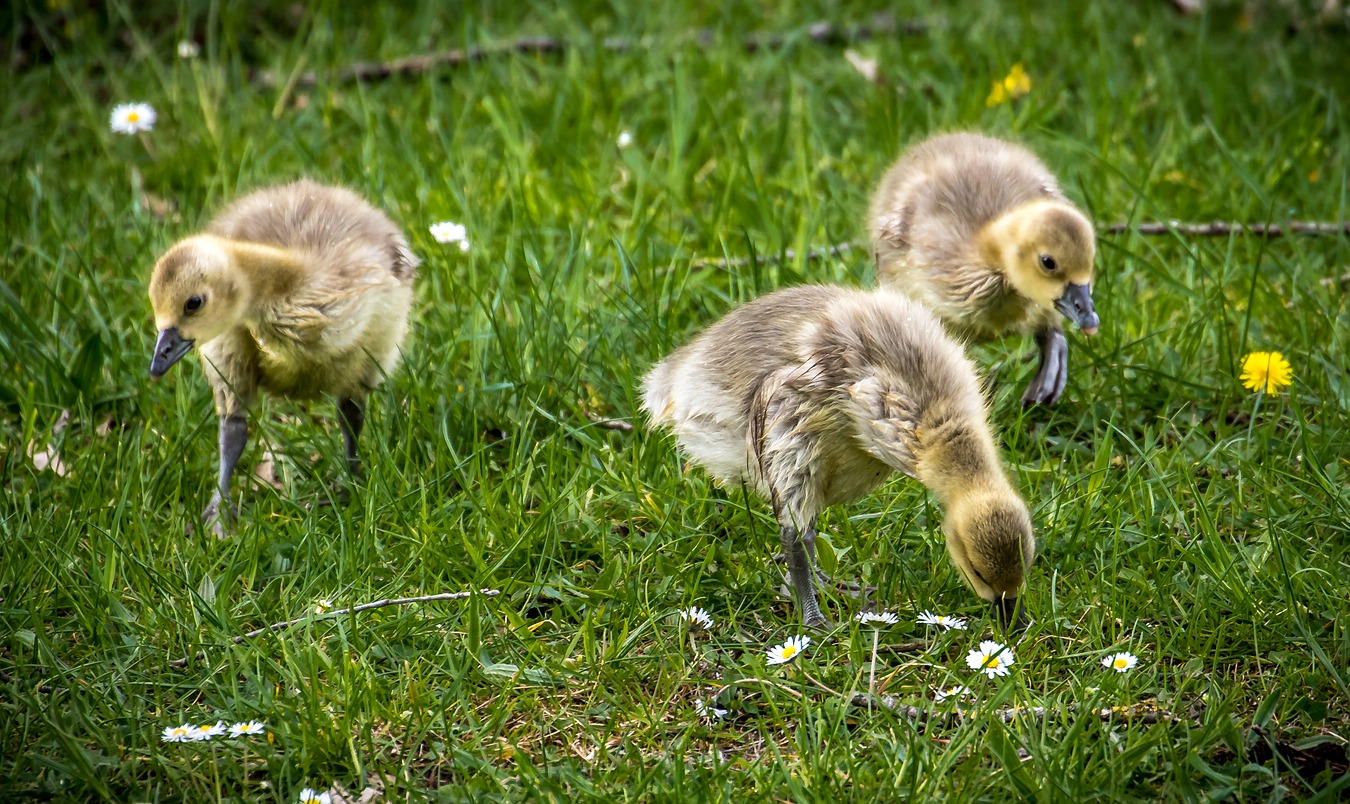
<point x="1076" y="305"/>
<point x="169" y="349"/>
<point x="1011" y="614"/>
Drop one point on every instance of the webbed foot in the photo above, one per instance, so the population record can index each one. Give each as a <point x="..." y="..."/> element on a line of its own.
<point x="1053" y="372"/>
<point x="221" y="516"/>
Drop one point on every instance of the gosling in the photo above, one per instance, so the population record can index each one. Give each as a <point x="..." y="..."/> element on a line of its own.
<point x="299" y="290"/>
<point x="977" y="229"/>
<point x="814" y="395"/>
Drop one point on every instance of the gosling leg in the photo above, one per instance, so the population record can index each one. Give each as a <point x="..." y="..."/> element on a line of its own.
<point x="1053" y="371"/>
<point x="220" y="512"/>
<point x="801" y="570"/>
<point x="351" y="418"/>
<point x="854" y="590"/>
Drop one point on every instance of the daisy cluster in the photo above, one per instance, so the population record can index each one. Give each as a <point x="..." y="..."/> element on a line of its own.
<point x="993" y="659"/>
<point x="189" y="733"/>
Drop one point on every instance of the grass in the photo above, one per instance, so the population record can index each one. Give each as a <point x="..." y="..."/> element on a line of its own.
<point x="1178" y="516"/>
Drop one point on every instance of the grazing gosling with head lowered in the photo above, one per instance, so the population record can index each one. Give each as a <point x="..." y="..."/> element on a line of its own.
<point x="299" y="290"/>
<point x="977" y="229"/>
<point x="814" y="395"/>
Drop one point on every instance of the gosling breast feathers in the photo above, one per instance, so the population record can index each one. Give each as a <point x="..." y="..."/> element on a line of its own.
<point x="977" y="229"/>
<point x="298" y="290"/>
<point x="814" y="395"/>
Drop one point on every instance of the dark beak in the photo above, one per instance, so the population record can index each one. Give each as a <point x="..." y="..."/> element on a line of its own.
<point x="168" y="349"/>
<point x="1012" y="616"/>
<point x="1076" y="305"/>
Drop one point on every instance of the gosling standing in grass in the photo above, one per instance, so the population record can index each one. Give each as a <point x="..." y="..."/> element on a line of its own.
<point x="300" y="290"/>
<point x="814" y="395"/>
<point x="977" y="229"/>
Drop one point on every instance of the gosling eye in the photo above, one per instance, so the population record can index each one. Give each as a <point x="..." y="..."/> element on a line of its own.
<point x="193" y="304"/>
<point x="978" y="576"/>
<point x="1049" y="264"/>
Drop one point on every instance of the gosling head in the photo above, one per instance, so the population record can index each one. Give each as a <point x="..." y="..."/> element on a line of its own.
<point x="198" y="293"/>
<point x="1046" y="250"/>
<point x="989" y="537"/>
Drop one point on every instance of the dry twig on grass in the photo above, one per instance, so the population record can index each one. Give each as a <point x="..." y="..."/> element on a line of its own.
<point x="821" y="33"/>
<point x="1223" y="228"/>
<point x="1143" y="713"/>
<point x="378" y="604"/>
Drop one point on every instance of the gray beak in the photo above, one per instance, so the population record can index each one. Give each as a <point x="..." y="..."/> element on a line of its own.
<point x="1076" y="305"/>
<point x="1012" y="616"/>
<point x="170" y="347"/>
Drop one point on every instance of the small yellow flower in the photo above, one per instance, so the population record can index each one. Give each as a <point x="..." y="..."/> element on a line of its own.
<point x="1266" y="371"/>
<point x="1015" y="85"/>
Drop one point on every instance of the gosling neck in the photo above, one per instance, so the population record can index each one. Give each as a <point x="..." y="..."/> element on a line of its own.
<point x="268" y="271"/>
<point x="957" y="459"/>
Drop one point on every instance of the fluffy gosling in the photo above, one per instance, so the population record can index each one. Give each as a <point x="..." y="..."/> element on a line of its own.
<point x="299" y="290"/>
<point x="814" y="395"/>
<point x="977" y="229"/>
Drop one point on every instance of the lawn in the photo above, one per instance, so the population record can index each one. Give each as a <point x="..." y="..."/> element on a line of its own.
<point x="1179" y="517"/>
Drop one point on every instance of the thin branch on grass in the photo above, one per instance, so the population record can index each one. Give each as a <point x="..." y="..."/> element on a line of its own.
<point x="1142" y="713"/>
<point x="761" y="681"/>
<point x="610" y="424"/>
<point x="1211" y="229"/>
<point x="1223" y="228"/>
<point x="818" y="683"/>
<point x="44" y="689"/>
<point x="378" y="604"/>
<point x="820" y="33"/>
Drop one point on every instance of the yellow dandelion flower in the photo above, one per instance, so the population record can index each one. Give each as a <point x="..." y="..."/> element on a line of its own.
<point x="1015" y="85"/>
<point x="1266" y="371"/>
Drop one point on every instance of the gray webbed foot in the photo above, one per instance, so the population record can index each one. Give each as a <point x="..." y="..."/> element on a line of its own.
<point x="1052" y="373"/>
<point x="221" y="516"/>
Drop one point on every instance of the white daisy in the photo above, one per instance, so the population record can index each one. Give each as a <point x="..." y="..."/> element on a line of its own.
<point x="311" y="796"/>
<point x="625" y="139"/>
<point x="1122" y="662"/>
<point x="187" y="49"/>
<point x="178" y="734"/>
<point x="707" y="709"/>
<point x="944" y="621"/>
<point x="991" y="658"/>
<point x="451" y="232"/>
<point x="786" y="652"/>
<point x="877" y="620"/>
<point x="322" y="605"/>
<point x="131" y="118"/>
<point x="698" y="617"/>
<point x="951" y="692"/>
<point x="247" y="729"/>
<point x="206" y="732"/>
